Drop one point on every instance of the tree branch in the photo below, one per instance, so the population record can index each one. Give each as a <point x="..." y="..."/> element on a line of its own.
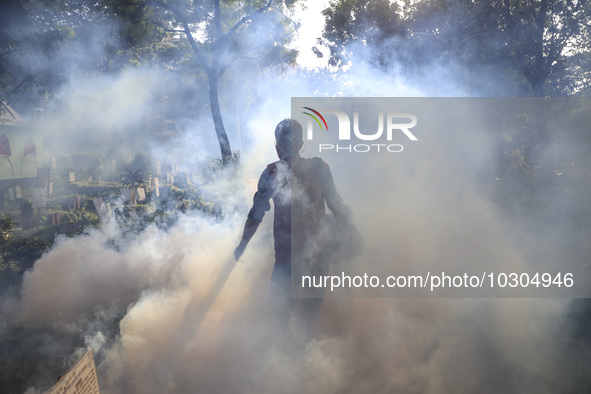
<point x="248" y="17"/>
<point x="9" y="52"/>
<point x="194" y="46"/>
<point x="259" y="61"/>
<point x="167" y="29"/>
<point x="224" y="37"/>
<point x="217" y="19"/>
<point x="180" y="18"/>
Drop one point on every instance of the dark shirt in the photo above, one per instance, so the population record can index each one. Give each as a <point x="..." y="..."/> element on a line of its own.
<point x="299" y="190"/>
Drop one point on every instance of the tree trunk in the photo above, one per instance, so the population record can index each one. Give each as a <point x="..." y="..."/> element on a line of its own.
<point x="540" y="68"/>
<point x="217" y="118"/>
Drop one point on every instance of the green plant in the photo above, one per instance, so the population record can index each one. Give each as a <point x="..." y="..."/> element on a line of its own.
<point x="133" y="179"/>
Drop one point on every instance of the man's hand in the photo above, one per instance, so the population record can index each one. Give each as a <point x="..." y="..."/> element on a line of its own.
<point x="250" y="227"/>
<point x="239" y="250"/>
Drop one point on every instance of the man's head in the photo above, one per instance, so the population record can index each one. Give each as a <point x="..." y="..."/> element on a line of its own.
<point x="288" y="138"/>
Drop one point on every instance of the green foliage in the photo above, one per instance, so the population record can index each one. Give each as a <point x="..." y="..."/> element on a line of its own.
<point x="533" y="173"/>
<point x="93" y="189"/>
<point x="85" y="164"/>
<point x="142" y="161"/>
<point x="217" y="164"/>
<point x="219" y="34"/>
<point x="365" y="22"/>
<point x="190" y="199"/>
<point x="200" y="40"/>
<point x="17" y="254"/>
<point x="525" y="48"/>
<point x="23" y="361"/>
<point x="27" y="27"/>
<point x="6" y="225"/>
<point x="133" y="179"/>
<point x="27" y="250"/>
<point x="75" y="222"/>
<point x="41" y="40"/>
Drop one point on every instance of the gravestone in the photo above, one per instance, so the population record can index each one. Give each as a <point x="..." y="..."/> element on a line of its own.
<point x="27" y="220"/>
<point x="141" y="194"/>
<point x="39" y="197"/>
<point x="157" y="186"/>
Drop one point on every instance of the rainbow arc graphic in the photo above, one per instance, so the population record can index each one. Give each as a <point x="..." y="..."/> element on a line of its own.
<point x="315" y="118"/>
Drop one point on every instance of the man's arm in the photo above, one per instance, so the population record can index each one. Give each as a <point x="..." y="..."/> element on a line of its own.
<point x="255" y="216"/>
<point x="335" y="203"/>
<point x="350" y="241"/>
<point x="250" y="228"/>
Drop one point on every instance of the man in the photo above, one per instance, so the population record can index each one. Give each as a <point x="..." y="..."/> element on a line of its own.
<point x="299" y="188"/>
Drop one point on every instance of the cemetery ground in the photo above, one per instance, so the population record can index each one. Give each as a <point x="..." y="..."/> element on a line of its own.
<point x="72" y="208"/>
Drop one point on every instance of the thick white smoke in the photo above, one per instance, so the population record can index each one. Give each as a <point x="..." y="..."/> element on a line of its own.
<point x="189" y="319"/>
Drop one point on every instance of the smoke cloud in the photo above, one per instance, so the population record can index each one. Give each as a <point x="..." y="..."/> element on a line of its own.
<point x="167" y="310"/>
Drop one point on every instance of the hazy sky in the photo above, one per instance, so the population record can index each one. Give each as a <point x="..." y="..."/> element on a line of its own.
<point x="312" y="23"/>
